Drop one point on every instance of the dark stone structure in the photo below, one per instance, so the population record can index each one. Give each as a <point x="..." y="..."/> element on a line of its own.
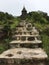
<point x="24" y="14"/>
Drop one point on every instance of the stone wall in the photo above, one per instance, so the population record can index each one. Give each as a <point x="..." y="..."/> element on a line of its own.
<point x="21" y="62"/>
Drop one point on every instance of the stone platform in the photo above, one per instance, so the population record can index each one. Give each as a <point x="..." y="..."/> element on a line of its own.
<point x="21" y="53"/>
<point x="25" y="56"/>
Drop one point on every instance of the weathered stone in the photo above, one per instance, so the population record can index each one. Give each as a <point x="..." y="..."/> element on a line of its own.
<point x="26" y="47"/>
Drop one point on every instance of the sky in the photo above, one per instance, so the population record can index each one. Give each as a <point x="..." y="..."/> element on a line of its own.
<point x="15" y="7"/>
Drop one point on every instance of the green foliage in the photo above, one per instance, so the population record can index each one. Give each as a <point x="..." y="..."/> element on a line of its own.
<point x="43" y="20"/>
<point x="2" y="48"/>
<point x="46" y="31"/>
<point x="45" y="40"/>
<point x="38" y="16"/>
<point x="5" y="16"/>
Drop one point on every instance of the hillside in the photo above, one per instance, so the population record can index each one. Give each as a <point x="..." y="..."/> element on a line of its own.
<point x="8" y="23"/>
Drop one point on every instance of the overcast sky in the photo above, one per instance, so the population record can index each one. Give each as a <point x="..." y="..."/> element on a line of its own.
<point x="15" y="6"/>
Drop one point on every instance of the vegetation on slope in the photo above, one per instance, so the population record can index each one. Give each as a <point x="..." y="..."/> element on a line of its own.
<point x="39" y="19"/>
